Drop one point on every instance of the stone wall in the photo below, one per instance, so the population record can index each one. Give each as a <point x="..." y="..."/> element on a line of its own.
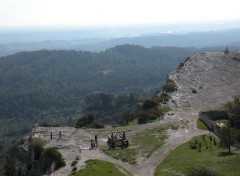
<point x="210" y="124"/>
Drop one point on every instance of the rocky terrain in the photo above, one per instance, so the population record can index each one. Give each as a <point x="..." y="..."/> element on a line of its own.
<point x="208" y="80"/>
<point x="205" y="82"/>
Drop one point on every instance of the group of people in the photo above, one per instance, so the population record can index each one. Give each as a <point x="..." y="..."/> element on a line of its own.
<point x="94" y="142"/>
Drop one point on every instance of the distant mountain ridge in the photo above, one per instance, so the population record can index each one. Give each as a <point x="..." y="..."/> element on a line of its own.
<point x="195" y="39"/>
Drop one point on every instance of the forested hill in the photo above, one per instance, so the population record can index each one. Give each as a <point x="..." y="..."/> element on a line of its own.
<point x="37" y="83"/>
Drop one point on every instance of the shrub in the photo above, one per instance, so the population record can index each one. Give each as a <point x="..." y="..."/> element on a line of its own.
<point x="180" y="66"/>
<point x="77" y="158"/>
<point x="97" y="124"/>
<point x="36" y="144"/>
<point x="53" y="154"/>
<point x="89" y="121"/>
<point x="193" y="146"/>
<point x="226" y="50"/>
<point x="162" y="97"/>
<point x="74" y="169"/>
<point x="149" y="115"/>
<point x="74" y="163"/>
<point x="142" y="120"/>
<point x="85" y="121"/>
<point x="194" y="91"/>
<point x="149" y="103"/>
<point x="170" y="86"/>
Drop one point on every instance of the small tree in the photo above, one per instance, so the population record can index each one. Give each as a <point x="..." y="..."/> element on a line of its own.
<point x="227" y="138"/>
<point x="149" y="103"/>
<point x="170" y="86"/>
<point x="36" y="145"/>
<point x="226" y="50"/>
<point x="52" y="154"/>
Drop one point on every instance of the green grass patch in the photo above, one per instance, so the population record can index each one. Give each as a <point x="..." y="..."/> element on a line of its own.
<point x="166" y="109"/>
<point x="125" y="155"/>
<point x="98" y="167"/>
<point x="143" y="144"/>
<point x="134" y="122"/>
<point x="201" y="125"/>
<point x="214" y="157"/>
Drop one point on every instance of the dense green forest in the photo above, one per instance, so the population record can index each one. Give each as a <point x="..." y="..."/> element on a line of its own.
<point x="52" y="85"/>
<point x="34" y="83"/>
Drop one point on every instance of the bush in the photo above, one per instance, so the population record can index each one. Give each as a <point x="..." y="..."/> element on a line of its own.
<point x="89" y="121"/>
<point x="193" y="146"/>
<point x="74" y="163"/>
<point x="85" y="121"/>
<point x="53" y="154"/>
<point x="226" y="50"/>
<point x="180" y="66"/>
<point x="149" y="103"/>
<point x="74" y="169"/>
<point x="163" y="97"/>
<point x="142" y="120"/>
<point x="36" y="144"/>
<point x="151" y="114"/>
<point x="194" y="91"/>
<point x="170" y="86"/>
<point x="97" y="124"/>
<point x="201" y="171"/>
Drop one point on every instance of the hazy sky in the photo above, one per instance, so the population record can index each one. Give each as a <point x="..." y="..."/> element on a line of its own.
<point x="24" y="13"/>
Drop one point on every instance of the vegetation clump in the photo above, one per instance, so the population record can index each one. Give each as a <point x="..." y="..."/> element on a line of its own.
<point x="52" y="154"/>
<point x="181" y="65"/>
<point x="89" y="121"/>
<point x="36" y="145"/>
<point x="149" y="104"/>
<point x="194" y="91"/>
<point x="226" y="50"/>
<point x="74" y="163"/>
<point x="162" y="97"/>
<point x="74" y="169"/>
<point x="170" y="86"/>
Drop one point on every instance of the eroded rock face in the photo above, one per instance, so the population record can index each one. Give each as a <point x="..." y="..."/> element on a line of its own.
<point x="214" y="77"/>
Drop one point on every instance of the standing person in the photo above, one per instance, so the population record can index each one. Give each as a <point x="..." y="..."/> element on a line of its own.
<point x="96" y="141"/>
<point x="51" y="135"/>
<point x="60" y="134"/>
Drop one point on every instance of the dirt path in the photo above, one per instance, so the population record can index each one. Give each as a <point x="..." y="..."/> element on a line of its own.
<point x="215" y="77"/>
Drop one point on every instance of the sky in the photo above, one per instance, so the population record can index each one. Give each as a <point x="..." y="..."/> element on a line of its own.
<point x="77" y="13"/>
